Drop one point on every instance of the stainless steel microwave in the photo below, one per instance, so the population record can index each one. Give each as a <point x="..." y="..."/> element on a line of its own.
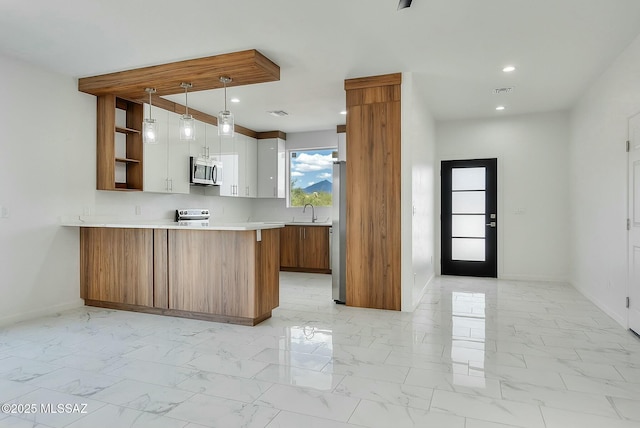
<point x="205" y="171"/>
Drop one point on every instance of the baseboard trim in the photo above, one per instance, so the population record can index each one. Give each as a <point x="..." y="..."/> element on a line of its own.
<point x="561" y="280"/>
<point x="604" y="308"/>
<point x="41" y="312"/>
<point x="417" y="298"/>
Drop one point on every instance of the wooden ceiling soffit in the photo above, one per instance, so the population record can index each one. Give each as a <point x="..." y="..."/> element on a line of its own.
<point x="245" y="68"/>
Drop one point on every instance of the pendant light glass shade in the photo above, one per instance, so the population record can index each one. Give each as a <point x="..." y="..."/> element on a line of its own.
<point x="225" y="123"/>
<point x="187" y="123"/>
<point x="150" y="131"/>
<point x="149" y="125"/>
<point x="226" y="126"/>
<point x="187" y="128"/>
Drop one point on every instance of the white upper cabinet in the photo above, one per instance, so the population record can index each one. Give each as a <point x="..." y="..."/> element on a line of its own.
<point x="271" y="168"/>
<point x="166" y="164"/>
<point x="251" y="167"/>
<point x="239" y="166"/>
<point x="212" y="141"/>
<point x="198" y="146"/>
<point x="229" y="158"/>
<point x="178" y="158"/>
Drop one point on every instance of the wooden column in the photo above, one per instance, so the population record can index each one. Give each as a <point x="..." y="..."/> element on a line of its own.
<point x="373" y="192"/>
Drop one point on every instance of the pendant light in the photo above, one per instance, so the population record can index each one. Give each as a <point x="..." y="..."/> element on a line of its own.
<point x="150" y="126"/>
<point x="187" y="124"/>
<point x="225" y="117"/>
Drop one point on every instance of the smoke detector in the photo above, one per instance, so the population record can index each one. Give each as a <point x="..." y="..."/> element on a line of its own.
<point x="278" y="113"/>
<point x="501" y="91"/>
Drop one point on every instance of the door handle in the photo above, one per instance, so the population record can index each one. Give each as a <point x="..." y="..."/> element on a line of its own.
<point x="492" y="224"/>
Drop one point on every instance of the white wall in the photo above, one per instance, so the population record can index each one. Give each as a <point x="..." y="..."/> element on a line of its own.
<point x="533" y="188"/>
<point x="418" y="193"/>
<point x="598" y="165"/>
<point x="47" y="171"/>
<point x="276" y="209"/>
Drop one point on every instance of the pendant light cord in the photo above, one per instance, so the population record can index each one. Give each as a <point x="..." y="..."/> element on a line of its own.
<point x="225" y="95"/>
<point x="150" y="105"/>
<point x="186" y="100"/>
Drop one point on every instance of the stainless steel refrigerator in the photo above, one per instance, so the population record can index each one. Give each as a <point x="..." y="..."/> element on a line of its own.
<point x="339" y="232"/>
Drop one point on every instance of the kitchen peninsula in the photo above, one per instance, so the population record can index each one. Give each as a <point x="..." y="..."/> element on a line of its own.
<point x="225" y="272"/>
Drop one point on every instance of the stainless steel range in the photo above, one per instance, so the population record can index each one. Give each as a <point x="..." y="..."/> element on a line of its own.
<point x="192" y="216"/>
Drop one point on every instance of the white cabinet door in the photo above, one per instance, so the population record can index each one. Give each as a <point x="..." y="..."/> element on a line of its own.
<point x="271" y="168"/>
<point x="155" y="155"/>
<point x="212" y="141"/>
<point x="166" y="164"/>
<point x="251" y="167"/>
<point x="198" y="147"/>
<point x="241" y="150"/>
<point x="177" y="157"/>
<point x="282" y="166"/>
<point x="229" y="158"/>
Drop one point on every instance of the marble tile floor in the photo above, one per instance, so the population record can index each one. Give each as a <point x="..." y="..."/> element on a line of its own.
<point x="477" y="353"/>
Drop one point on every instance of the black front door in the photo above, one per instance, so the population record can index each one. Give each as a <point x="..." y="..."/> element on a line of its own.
<point x="469" y="217"/>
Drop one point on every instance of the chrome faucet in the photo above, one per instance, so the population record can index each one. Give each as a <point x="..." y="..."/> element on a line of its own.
<point x="313" y="212"/>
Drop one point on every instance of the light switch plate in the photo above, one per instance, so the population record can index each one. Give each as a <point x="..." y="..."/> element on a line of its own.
<point x="4" y="212"/>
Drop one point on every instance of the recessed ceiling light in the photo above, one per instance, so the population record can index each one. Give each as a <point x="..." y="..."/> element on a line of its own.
<point x="499" y="108"/>
<point x="235" y="100"/>
<point x="343" y="112"/>
<point x="509" y="69"/>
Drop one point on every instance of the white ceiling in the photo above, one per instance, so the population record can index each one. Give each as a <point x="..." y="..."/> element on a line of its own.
<point x="455" y="48"/>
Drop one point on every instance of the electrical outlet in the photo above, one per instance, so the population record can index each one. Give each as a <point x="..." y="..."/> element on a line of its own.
<point x="4" y="212"/>
<point x="138" y="210"/>
<point x="86" y="211"/>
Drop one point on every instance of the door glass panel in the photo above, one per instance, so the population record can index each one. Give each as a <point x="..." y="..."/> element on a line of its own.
<point x="468" y="178"/>
<point x="468" y="249"/>
<point x="468" y="202"/>
<point x="468" y="226"/>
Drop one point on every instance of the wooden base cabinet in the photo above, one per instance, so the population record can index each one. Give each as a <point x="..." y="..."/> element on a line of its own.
<point x="224" y="276"/>
<point x="223" y="272"/>
<point x="116" y="265"/>
<point x="305" y="249"/>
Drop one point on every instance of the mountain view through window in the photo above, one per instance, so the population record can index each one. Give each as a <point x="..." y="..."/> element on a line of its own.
<point x="311" y="176"/>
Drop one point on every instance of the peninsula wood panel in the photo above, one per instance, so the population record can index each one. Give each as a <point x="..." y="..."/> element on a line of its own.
<point x="239" y="261"/>
<point x="116" y="265"/>
<point x="194" y="269"/>
<point x="244" y="67"/>
<point x="212" y="272"/>
<point x="373" y="248"/>
<point x="267" y="272"/>
<point x="160" y="269"/>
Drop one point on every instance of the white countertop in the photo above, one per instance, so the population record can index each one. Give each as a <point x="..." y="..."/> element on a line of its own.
<point x="165" y="224"/>
<point x="306" y="223"/>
